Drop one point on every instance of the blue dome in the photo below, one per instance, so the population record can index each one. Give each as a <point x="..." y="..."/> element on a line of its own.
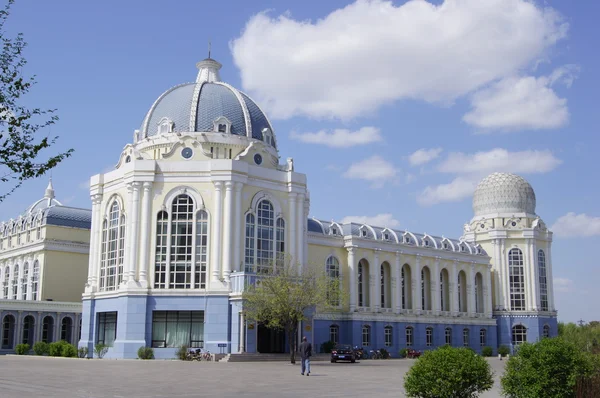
<point x="196" y="107"/>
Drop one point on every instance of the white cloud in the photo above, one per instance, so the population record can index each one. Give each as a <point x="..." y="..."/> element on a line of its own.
<point x="499" y="159"/>
<point x="380" y="220"/>
<point x="340" y="138"/>
<point x="374" y="169"/>
<point x="371" y="53"/>
<point x="563" y="285"/>
<point x="423" y="156"/>
<point x="576" y="225"/>
<point x="521" y="103"/>
<point x="456" y="190"/>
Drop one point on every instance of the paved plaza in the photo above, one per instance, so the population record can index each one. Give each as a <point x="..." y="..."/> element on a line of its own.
<point x="64" y="377"/>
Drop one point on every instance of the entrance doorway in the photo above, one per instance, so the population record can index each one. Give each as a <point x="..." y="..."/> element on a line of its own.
<point x="270" y="341"/>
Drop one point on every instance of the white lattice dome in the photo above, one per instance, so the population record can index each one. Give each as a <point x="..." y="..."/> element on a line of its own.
<point x="503" y="193"/>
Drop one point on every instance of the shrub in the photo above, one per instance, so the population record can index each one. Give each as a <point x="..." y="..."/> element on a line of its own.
<point x="327" y="346"/>
<point x="384" y="353"/>
<point x="182" y="352"/>
<point x="56" y="349"/>
<point x="22" y="349"/>
<point x="40" y="348"/>
<point x="100" y="350"/>
<point x="503" y="350"/>
<point x="82" y="352"/>
<point x="403" y="352"/>
<point x="548" y="368"/>
<point x="145" y="353"/>
<point x="69" y="351"/>
<point x="487" y="351"/>
<point x="448" y="372"/>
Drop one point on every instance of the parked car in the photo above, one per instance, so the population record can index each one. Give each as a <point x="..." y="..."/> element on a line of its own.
<point x="342" y="352"/>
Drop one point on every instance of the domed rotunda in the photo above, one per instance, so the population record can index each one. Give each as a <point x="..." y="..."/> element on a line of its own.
<point x="503" y="193"/>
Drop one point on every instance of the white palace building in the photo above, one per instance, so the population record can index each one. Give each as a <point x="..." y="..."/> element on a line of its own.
<point x="199" y="204"/>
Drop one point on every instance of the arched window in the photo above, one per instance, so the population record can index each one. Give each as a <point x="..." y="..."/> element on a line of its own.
<point x="47" y="329"/>
<point x="543" y="280"/>
<point x="429" y="336"/>
<point x="366" y="335"/>
<point x="265" y="239"/>
<point x="406" y="287"/>
<point x="334" y="334"/>
<point x="409" y="336"/>
<point x="482" y="337"/>
<point x="426" y="288"/>
<point x="66" y="329"/>
<point x="517" y="280"/>
<point x="15" y="282"/>
<point x="546" y="331"/>
<point x="466" y="337"/>
<point x="113" y="242"/>
<point x="34" y="280"/>
<point x="478" y="293"/>
<point x="363" y="283"/>
<point x="332" y="268"/>
<point x="444" y="291"/>
<point x="24" y="281"/>
<point x="6" y="282"/>
<point x="181" y="260"/>
<point x="519" y="334"/>
<point x="448" y="336"/>
<point x="8" y="332"/>
<point x="28" y="330"/>
<point x="462" y="291"/>
<point x="388" y="337"/>
<point x="385" y="285"/>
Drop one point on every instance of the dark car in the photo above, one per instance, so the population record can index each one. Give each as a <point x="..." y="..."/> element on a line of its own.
<point x="342" y="352"/>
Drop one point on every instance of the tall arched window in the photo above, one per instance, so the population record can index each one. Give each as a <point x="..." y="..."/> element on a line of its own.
<point x="406" y="287"/>
<point x="444" y="291"/>
<point x="462" y="291"/>
<point x="6" y="282"/>
<point x="361" y="272"/>
<point x="181" y="260"/>
<point x="478" y="293"/>
<point x="332" y="268"/>
<point x="48" y="329"/>
<point x="519" y="334"/>
<point x="24" y="281"/>
<point x="384" y="281"/>
<point x="35" y="275"/>
<point x="265" y="239"/>
<point x="426" y="288"/>
<point x="113" y="240"/>
<point x="543" y="280"/>
<point x="28" y="330"/>
<point x="15" y="282"/>
<point x="66" y="329"/>
<point x="517" y="280"/>
<point x="8" y="332"/>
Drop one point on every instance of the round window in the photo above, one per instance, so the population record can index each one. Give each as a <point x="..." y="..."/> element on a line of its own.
<point x="258" y="158"/>
<point x="187" y="153"/>
<point x="514" y="224"/>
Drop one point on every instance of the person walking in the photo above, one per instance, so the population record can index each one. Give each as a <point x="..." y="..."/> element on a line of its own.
<point x="305" y="354"/>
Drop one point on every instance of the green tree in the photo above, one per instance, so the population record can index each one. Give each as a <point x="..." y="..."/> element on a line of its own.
<point x="585" y="337"/>
<point x="19" y="148"/>
<point x="549" y="368"/>
<point x="284" y="295"/>
<point x="448" y="372"/>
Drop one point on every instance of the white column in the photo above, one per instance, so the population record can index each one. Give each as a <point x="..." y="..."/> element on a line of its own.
<point x="93" y="247"/>
<point x="128" y="229"/>
<point x="97" y="243"/>
<point x="242" y="347"/>
<point x="527" y="271"/>
<point x="133" y="233"/>
<point x="471" y="291"/>
<point x="535" y="278"/>
<point x="487" y="292"/>
<point x="352" y="279"/>
<point x="416" y="286"/>
<point x="397" y="287"/>
<point x="300" y="230"/>
<point x="29" y="279"/>
<point x="375" y="282"/>
<point x="146" y="226"/>
<point x="505" y="275"/>
<point x="216" y="235"/>
<point x="549" y="279"/>
<point x="435" y="287"/>
<point x="19" y="270"/>
<point x="454" y="289"/>
<point x="499" y="286"/>
<point x="237" y="229"/>
<point x="227" y="218"/>
<point x="292" y="228"/>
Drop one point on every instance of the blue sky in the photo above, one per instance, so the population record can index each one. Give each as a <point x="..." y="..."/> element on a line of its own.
<point x="353" y="90"/>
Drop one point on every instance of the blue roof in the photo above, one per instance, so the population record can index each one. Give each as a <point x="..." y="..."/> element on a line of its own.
<point x="257" y="117"/>
<point x="314" y="226"/>
<point x="174" y="104"/>
<point x="218" y="100"/>
<point x="68" y="217"/>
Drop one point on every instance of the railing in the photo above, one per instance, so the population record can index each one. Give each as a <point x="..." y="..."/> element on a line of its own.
<point x="364" y="309"/>
<point x="239" y="281"/>
<point x="386" y="310"/>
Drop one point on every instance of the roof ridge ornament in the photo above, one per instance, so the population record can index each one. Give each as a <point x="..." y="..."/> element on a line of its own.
<point x="49" y="194"/>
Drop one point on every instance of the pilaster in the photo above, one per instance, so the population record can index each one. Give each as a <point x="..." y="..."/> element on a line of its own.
<point x="397" y="287"/>
<point x="300" y="230"/>
<point x="435" y="287"/>
<point x="146" y="227"/>
<point x="375" y="282"/>
<point x="133" y="234"/>
<point x="292" y="227"/>
<point x="227" y="216"/>
<point x="216" y="236"/>
<point x="416" y="286"/>
<point x="237" y="230"/>
<point x="352" y="278"/>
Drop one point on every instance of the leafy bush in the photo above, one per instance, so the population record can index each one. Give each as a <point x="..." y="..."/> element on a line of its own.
<point x="448" y="372"/>
<point x="100" y="350"/>
<point x="487" y="351"/>
<point x="182" y="352"/>
<point x="69" y="351"/>
<point x="384" y="353"/>
<point x="40" y="348"/>
<point x="145" y="353"/>
<point x="403" y="352"/>
<point x="327" y="346"/>
<point x="82" y="352"/>
<point x="22" y="349"/>
<point x="56" y="349"/>
<point x="503" y="350"/>
<point x="548" y="368"/>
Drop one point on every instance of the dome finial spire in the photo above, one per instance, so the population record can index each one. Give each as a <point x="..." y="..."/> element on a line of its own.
<point x="208" y="48"/>
<point x="208" y="69"/>
<point x="49" y="194"/>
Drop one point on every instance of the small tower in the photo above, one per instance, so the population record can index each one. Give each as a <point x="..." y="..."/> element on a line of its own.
<point x="508" y="229"/>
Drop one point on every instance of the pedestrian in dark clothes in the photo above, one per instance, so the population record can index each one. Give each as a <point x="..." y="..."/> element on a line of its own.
<point x="305" y="354"/>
